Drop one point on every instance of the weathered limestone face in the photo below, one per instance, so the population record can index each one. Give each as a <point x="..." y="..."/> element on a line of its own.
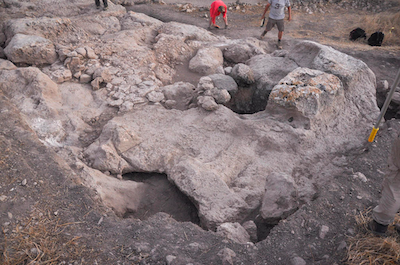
<point x="311" y="93"/>
<point x="207" y="61"/>
<point x="108" y="105"/>
<point x="33" y="50"/>
<point x="7" y="65"/>
<point x="45" y="27"/>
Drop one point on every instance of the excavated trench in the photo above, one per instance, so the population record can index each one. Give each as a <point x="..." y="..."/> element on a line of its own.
<point x="162" y="196"/>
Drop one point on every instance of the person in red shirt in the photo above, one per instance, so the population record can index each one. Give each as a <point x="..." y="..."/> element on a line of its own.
<point x="218" y="7"/>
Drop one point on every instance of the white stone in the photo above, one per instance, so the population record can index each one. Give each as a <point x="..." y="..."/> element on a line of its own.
<point x="234" y="231"/>
<point x="324" y="230"/>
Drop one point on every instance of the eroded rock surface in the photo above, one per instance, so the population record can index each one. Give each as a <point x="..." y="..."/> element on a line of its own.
<point x="102" y="97"/>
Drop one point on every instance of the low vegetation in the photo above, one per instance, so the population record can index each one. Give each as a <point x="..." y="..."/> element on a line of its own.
<point x="387" y="22"/>
<point x="41" y="239"/>
<point x="367" y="248"/>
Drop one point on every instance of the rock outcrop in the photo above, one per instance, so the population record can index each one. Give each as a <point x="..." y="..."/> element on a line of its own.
<point x="33" y="50"/>
<point x="108" y="105"/>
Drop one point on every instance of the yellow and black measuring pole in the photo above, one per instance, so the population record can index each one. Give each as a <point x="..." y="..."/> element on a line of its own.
<point x="384" y="108"/>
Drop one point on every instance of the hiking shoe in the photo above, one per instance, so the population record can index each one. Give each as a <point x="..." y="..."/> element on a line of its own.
<point x="97" y="7"/>
<point x="105" y="8"/>
<point x="262" y="35"/>
<point x="377" y="228"/>
<point x="279" y="45"/>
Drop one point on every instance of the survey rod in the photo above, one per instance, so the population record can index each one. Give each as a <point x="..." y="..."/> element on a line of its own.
<point x="384" y="108"/>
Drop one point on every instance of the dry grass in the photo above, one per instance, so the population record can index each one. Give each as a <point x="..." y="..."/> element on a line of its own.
<point x="333" y="29"/>
<point x="367" y="248"/>
<point x="388" y="23"/>
<point x="41" y="240"/>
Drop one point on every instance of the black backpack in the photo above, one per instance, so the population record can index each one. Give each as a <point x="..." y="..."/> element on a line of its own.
<point x="357" y="33"/>
<point x="376" y="38"/>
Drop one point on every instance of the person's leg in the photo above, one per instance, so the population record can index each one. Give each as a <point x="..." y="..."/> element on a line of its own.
<point x="225" y="20"/>
<point x="389" y="204"/>
<point x="105" y="3"/>
<point x="270" y="25"/>
<point x="212" y="21"/>
<point x="280" y="34"/>
<point x="281" y="27"/>
<point x="97" y="3"/>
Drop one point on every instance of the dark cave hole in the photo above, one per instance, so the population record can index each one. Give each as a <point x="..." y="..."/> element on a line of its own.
<point x="263" y="230"/>
<point x="263" y="227"/>
<point x="162" y="196"/>
<point x="393" y="110"/>
<point x="246" y="100"/>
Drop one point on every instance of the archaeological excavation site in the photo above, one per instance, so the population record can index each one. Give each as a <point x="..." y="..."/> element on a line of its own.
<point x="128" y="138"/>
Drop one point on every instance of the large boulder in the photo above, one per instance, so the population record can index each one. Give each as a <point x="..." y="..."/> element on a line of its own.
<point x="217" y="149"/>
<point x="206" y="175"/>
<point x="224" y="82"/>
<point x="121" y="197"/>
<point x="33" y="50"/>
<point x="280" y="198"/>
<point x="179" y="95"/>
<point x="38" y="98"/>
<point x="229" y="165"/>
<point x="358" y="79"/>
<point x="211" y="157"/>
<point x="172" y="49"/>
<point x="49" y="28"/>
<point x="243" y="74"/>
<point x="32" y="91"/>
<point x="207" y="61"/>
<point x="209" y="192"/>
<point x="309" y="97"/>
<point x="239" y="51"/>
<point x="267" y="70"/>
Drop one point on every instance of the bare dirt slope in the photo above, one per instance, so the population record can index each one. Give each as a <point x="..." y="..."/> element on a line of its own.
<point x="47" y="217"/>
